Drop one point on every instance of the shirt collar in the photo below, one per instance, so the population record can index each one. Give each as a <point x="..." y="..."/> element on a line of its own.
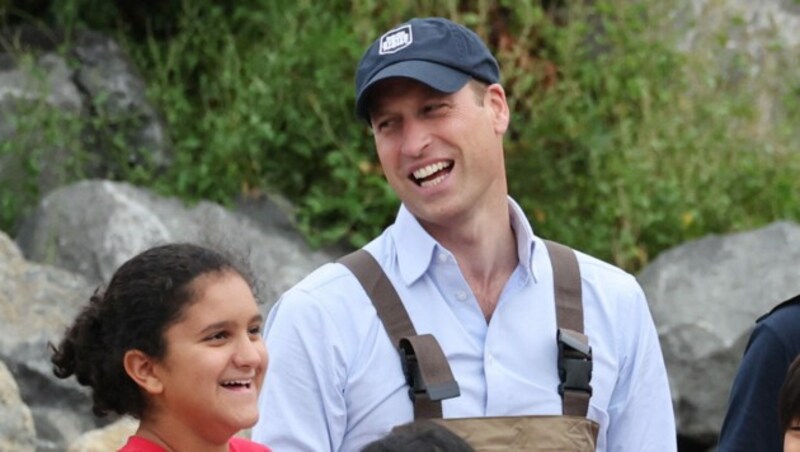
<point x="415" y="247"/>
<point x="525" y="238"/>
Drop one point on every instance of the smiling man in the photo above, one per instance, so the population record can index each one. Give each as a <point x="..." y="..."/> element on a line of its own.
<point x="458" y="312"/>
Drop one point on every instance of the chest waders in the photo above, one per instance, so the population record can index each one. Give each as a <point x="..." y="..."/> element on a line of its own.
<point x="430" y="379"/>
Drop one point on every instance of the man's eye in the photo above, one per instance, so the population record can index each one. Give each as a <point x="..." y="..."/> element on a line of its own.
<point x="434" y="107"/>
<point x="255" y="330"/>
<point x="385" y="124"/>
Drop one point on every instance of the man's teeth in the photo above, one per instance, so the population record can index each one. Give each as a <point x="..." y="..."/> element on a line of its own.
<point x="430" y="169"/>
<point x="432" y="182"/>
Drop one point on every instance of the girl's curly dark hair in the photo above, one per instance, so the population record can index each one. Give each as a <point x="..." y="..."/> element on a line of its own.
<point x="146" y="295"/>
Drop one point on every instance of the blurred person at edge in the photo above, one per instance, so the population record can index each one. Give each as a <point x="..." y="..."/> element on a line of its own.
<point x="752" y="418"/>
<point x="789" y="408"/>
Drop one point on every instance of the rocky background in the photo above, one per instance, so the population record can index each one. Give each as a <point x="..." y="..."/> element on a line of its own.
<point x="704" y="295"/>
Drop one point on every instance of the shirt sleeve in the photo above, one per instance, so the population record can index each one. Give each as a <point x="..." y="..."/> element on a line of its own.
<point x="302" y="406"/>
<point x="751" y="422"/>
<point x="641" y="417"/>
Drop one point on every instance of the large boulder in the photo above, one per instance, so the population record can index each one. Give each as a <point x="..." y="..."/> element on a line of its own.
<point x="94" y="226"/>
<point x="117" y="93"/>
<point x="37" y="303"/>
<point x="16" y="423"/>
<point x="705" y="297"/>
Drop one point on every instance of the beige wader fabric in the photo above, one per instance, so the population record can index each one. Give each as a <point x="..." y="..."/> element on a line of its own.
<point x="525" y="433"/>
<point x="431" y="380"/>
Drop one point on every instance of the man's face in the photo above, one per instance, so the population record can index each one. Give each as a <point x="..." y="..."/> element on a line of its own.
<point x="441" y="153"/>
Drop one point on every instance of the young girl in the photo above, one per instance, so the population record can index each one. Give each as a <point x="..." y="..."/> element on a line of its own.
<point x="174" y="341"/>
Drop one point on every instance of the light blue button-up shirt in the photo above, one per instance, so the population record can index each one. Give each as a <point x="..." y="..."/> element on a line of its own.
<point x="335" y="381"/>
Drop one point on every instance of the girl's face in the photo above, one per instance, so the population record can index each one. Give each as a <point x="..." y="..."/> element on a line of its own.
<point x="791" y="439"/>
<point x="215" y="360"/>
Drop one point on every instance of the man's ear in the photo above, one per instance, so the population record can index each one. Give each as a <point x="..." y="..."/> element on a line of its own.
<point x="496" y="100"/>
<point x="142" y="370"/>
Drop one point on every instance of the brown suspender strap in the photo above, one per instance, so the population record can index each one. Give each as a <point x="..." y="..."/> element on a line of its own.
<point x="567" y="286"/>
<point x="381" y="291"/>
<point x="426" y="368"/>
<point x="574" y="352"/>
<point x="427" y="371"/>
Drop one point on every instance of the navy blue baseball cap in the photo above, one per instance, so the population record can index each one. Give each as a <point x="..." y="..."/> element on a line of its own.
<point x="435" y="51"/>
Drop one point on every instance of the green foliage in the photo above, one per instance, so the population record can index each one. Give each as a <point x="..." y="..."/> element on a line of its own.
<point x="34" y="134"/>
<point x="620" y="145"/>
<point x="629" y="152"/>
<point x="265" y="102"/>
<point x="48" y="142"/>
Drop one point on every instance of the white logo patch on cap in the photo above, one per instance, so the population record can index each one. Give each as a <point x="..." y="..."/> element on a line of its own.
<point x="395" y="40"/>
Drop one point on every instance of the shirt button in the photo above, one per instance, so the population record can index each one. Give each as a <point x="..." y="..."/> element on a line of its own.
<point x="461" y="295"/>
<point x="442" y="257"/>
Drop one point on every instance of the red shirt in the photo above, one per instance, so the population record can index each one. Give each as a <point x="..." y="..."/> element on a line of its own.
<point x="236" y="444"/>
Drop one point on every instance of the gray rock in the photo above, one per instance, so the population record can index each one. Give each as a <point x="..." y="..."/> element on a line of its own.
<point x="16" y="423"/>
<point x="118" y="95"/>
<point x="46" y="78"/>
<point x="37" y="303"/>
<point x="78" y="111"/>
<point x="41" y="86"/>
<point x="705" y="296"/>
<point x="92" y="227"/>
<point x="751" y="45"/>
<point x="758" y="25"/>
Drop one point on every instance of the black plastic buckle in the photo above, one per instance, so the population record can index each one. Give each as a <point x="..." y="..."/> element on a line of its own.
<point x="574" y="363"/>
<point x="416" y="384"/>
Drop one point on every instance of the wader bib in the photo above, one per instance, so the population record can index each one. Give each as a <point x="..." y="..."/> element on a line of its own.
<point x="430" y="379"/>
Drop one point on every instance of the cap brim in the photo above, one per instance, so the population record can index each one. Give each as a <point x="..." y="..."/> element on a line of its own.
<point x="439" y="77"/>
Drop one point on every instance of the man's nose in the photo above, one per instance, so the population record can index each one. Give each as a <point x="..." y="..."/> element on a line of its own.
<point x="416" y="137"/>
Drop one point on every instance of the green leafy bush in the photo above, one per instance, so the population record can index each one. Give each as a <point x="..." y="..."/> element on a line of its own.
<point x="620" y="145"/>
<point x="637" y="148"/>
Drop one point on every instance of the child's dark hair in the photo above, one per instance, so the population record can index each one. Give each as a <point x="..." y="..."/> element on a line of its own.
<point x="419" y="436"/>
<point x="789" y="400"/>
<point x="146" y="295"/>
